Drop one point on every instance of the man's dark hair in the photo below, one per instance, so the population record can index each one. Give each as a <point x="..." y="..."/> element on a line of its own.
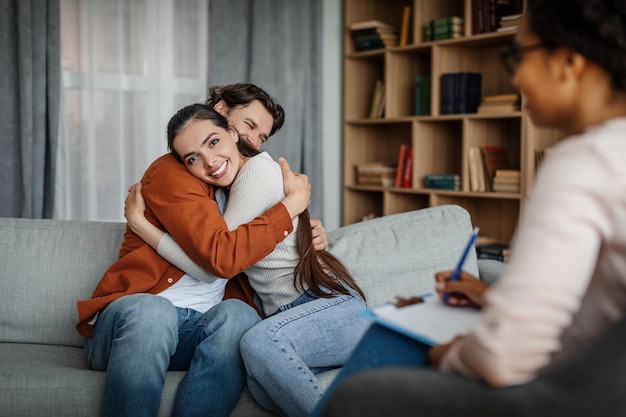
<point x="242" y="94"/>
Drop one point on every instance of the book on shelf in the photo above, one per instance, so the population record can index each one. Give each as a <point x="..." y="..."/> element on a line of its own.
<point x="444" y="28"/>
<point x="375" y="173"/>
<point x="422" y="95"/>
<point x="468" y="92"/>
<point x="487" y="15"/>
<point x="407" y="176"/>
<point x="476" y="170"/>
<point x="508" y="175"/>
<point x="365" y="36"/>
<point x="502" y="98"/>
<point x="499" y="187"/>
<point x="405" y="26"/>
<point x="460" y="92"/>
<point x="501" y="103"/>
<point x="509" y="22"/>
<point x="494" y="158"/>
<point x="372" y="34"/>
<point x="369" y="24"/>
<point x="368" y="44"/>
<point x="443" y="181"/>
<point x="498" y="251"/>
<point x="539" y="156"/>
<point x="378" y="99"/>
<point x="447" y="94"/>
<point x="497" y="108"/>
<point x="507" y="181"/>
<point x="401" y="164"/>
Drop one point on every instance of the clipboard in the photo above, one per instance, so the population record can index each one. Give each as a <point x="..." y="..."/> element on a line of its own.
<point x="432" y="322"/>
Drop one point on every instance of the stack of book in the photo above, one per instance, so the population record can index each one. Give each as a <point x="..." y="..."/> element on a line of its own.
<point x="445" y="28"/>
<point x="498" y="251"/>
<point x="500" y="103"/>
<point x="373" y="34"/>
<point x="443" y="181"/>
<point x="375" y="173"/>
<point x="506" y="181"/>
<point x="460" y="92"/>
<point x="509" y="23"/>
<point x="422" y="95"/>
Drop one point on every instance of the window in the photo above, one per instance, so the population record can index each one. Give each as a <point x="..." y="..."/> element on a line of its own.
<point x="128" y="65"/>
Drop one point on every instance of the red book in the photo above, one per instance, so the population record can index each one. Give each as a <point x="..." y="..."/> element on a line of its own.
<point x="408" y="169"/>
<point x="401" y="162"/>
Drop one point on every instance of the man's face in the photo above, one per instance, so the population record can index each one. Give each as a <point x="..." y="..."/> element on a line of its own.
<point x="253" y="123"/>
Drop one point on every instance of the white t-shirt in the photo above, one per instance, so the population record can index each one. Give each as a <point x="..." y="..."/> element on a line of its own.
<point x="201" y="290"/>
<point x="192" y="293"/>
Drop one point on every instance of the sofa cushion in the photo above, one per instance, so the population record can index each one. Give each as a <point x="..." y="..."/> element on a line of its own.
<point x="398" y="255"/>
<point x="45" y="267"/>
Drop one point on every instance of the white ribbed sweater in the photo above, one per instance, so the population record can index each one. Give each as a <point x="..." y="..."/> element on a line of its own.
<point x="257" y="187"/>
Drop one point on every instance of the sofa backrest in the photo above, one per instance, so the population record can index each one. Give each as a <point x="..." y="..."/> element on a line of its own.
<point x="48" y="265"/>
<point x="398" y="255"/>
<point x="45" y="267"/>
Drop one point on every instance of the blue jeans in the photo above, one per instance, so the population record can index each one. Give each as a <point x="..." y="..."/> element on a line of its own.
<point x="283" y="353"/>
<point x="379" y="348"/>
<point x="137" y="338"/>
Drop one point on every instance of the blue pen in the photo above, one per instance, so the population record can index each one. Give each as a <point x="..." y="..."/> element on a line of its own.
<point x="459" y="266"/>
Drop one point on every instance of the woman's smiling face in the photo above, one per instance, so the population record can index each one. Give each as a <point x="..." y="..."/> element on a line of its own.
<point x="209" y="152"/>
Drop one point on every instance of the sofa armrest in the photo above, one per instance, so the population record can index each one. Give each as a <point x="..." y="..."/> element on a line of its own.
<point x="489" y="270"/>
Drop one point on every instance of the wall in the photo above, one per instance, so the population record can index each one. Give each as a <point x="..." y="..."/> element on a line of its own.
<point x="331" y="105"/>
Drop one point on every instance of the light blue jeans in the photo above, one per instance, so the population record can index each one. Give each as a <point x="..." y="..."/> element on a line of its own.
<point x="283" y="353"/>
<point x="137" y="338"/>
<point x="379" y="348"/>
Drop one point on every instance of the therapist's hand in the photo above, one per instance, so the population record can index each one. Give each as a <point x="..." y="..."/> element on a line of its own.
<point x="466" y="291"/>
<point x="436" y="353"/>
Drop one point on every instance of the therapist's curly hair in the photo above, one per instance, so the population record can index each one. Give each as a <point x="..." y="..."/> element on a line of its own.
<point x="595" y="29"/>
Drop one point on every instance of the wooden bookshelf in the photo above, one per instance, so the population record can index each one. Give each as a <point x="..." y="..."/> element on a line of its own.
<point x="440" y="142"/>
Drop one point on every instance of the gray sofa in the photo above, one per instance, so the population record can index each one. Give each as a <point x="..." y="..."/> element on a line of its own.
<point x="47" y="265"/>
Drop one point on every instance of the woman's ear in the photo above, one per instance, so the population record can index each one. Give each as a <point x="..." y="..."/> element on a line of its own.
<point x="221" y="108"/>
<point x="233" y="133"/>
<point x="572" y="64"/>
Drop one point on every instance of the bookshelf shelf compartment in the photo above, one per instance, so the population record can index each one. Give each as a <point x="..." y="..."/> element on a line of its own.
<point x="440" y="142"/>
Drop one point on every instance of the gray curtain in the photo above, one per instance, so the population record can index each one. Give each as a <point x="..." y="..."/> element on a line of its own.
<point x="276" y="44"/>
<point x="29" y="105"/>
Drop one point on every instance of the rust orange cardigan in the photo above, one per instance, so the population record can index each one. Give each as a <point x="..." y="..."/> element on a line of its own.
<point x="186" y="208"/>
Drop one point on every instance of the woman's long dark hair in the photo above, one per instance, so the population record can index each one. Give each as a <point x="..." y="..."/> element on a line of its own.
<point x="319" y="271"/>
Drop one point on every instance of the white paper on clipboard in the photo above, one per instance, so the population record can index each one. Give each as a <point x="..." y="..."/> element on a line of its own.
<point x="432" y="322"/>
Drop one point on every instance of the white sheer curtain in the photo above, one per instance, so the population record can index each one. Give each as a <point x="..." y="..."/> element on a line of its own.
<point x="128" y="65"/>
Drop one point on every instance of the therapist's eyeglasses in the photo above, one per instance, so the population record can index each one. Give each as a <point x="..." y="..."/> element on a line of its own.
<point x="513" y="55"/>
